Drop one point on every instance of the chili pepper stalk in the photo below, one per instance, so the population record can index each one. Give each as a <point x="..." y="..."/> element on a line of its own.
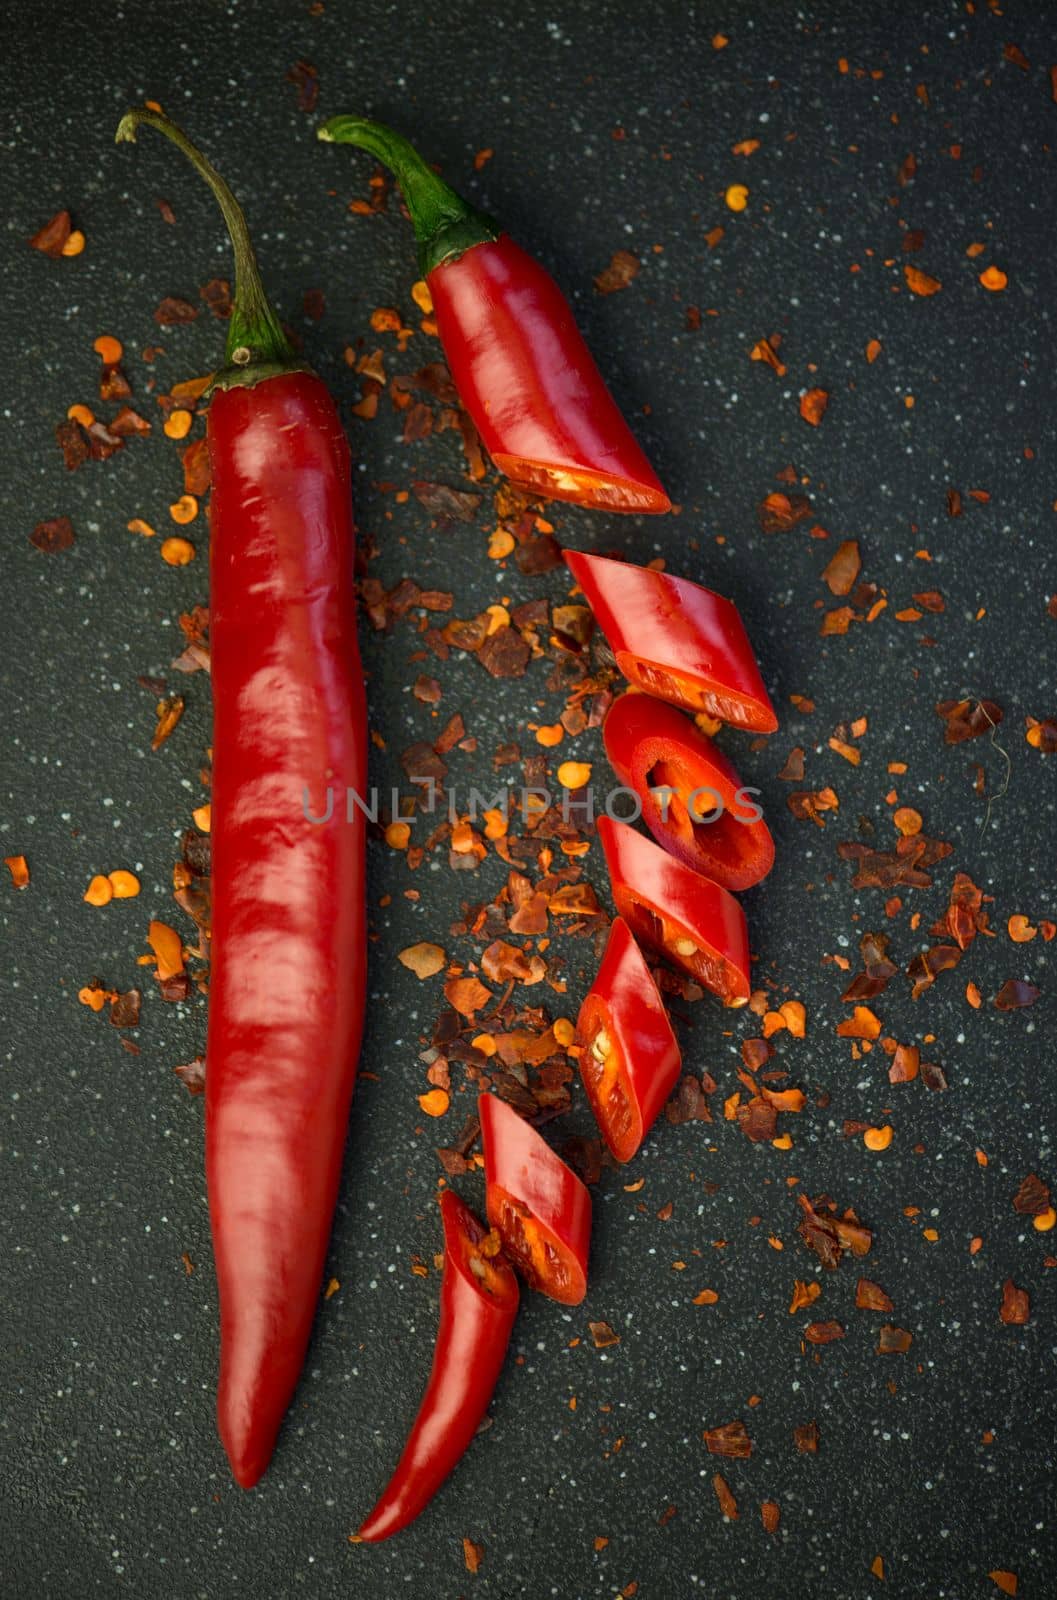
<point x="518" y="361"/>
<point x="257" y="347"/>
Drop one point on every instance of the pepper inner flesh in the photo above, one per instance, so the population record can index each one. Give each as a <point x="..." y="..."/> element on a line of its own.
<point x="605" y="1079"/>
<point x="711" y="831"/>
<point x="692" y="693"/>
<point x="525" y="1239"/>
<point x="595" y="489"/>
<point x="676" y="941"/>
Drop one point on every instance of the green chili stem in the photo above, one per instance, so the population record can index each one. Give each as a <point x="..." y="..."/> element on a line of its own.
<point x="255" y="335"/>
<point x="445" y="224"/>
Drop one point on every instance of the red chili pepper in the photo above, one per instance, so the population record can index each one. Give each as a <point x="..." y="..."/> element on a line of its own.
<point x="521" y="367"/>
<point x="676" y="640"/>
<point x="478" y="1303"/>
<point x="690" y="919"/>
<point x="692" y="799"/>
<point x="538" y="1204"/>
<point x="630" y="1058"/>
<point x="287" y="983"/>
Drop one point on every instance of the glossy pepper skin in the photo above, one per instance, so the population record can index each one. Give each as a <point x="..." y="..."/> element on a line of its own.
<point x="630" y="1058"/>
<point x="653" y="747"/>
<point x="693" y="921"/>
<point x="676" y="640"/>
<point x="478" y="1304"/>
<point x="519" y="363"/>
<point x="538" y="1205"/>
<point x="287" y="981"/>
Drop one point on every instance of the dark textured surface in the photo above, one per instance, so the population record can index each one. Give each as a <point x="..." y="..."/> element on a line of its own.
<point x="112" y="1479"/>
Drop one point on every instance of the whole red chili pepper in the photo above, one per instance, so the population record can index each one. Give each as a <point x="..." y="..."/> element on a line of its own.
<point x="538" y="1204"/>
<point x="629" y="1056"/>
<point x="676" y="640"/>
<point x="519" y="363"/>
<point x="690" y="919"/>
<point x="653" y="747"/>
<point x="478" y="1303"/>
<point x="287" y="983"/>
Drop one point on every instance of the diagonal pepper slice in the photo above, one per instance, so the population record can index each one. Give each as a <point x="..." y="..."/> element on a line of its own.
<point x="702" y="815"/>
<point x="688" y="918"/>
<point x="676" y="640"/>
<point x="478" y="1303"/>
<point x="630" y="1058"/>
<point x="538" y="1205"/>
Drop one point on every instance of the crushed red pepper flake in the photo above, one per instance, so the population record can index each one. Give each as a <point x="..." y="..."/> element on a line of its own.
<point x="968" y="720"/>
<point x="813" y="405"/>
<point x="893" y="1341"/>
<point x="472" y="1554"/>
<point x="869" y="1296"/>
<point x="192" y="1074"/>
<point x="19" y="870"/>
<point x="807" y="1438"/>
<point x="602" y="1335"/>
<point x="1032" y="1199"/>
<point x="1016" y="993"/>
<point x="920" y="283"/>
<point x="172" y="311"/>
<point x="823" y="1332"/>
<point x="779" y="512"/>
<point x="1016" y="1306"/>
<point x="731" y="1439"/>
<point x="727" y="1503"/>
<point x="53" y="536"/>
<point x="843" y="568"/>
<point x="53" y="238"/>
<point x="622" y="268"/>
<point x="1001" y="1577"/>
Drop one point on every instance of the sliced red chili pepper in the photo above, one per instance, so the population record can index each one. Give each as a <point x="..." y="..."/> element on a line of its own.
<point x="667" y="905"/>
<point x="630" y="1058"/>
<point x="538" y="1204"/>
<point x="702" y="815"/>
<point x="676" y="640"/>
<point x="478" y="1303"/>
<point x="521" y="366"/>
<point x="288" y="887"/>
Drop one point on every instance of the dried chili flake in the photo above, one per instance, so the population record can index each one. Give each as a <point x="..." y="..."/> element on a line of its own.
<point x="217" y="296"/>
<point x="837" y="622"/>
<point x="1014" y="994"/>
<point x="442" y="501"/>
<point x="905" y="1063"/>
<point x="793" y="770"/>
<point x="602" y="1335"/>
<point x="919" y="282"/>
<point x="73" y="443"/>
<point x="843" y="568"/>
<point x="1042" y="735"/>
<point x="125" y="1009"/>
<point x="472" y="1553"/>
<point x="893" y="1341"/>
<point x="924" y="968"/>
<point x="869" y="1296"/>
<point x="689" y="1103"/>
<point x="829" y="1235"/>
<point x="823" y="1332"/>
<point x="172" y="311"/>
<point x="813" y="405"/>
<point x="1016" y="1306"/>
<point x="128" y="424"/>
<point x="731" y="1439"/>
<point x="1002" y="1579"/>
<point x="53" y="536"/>
<point x="727" y="1503"/>
<point x="806" y="1438"/>
<point x="19" y="870"/>
<point x="467" y="995"/>
<point x="196" y="469"/>
<point x="1033" y="1196"/>
<point x="1014" y="54"/>
<point x="424" y="960"/>
<point x="933" y="1077"/>
<point x="505" y="654"/>
<point x="862" y="1024"/>
<point x="779" y="512"/>
<point x="766" y="350"/>
<point x="622" y="268"/>
<point x="192" y="1074"/>
<point x="966" y="720"/>
<point x="168" y="713"/>
<point x="770" y="1515"/>
<point x="807" y="805"/>
<point x="54" y="236"/>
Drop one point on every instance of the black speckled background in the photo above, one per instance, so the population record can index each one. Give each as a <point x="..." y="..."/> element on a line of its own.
<point x="112" y="1481"/>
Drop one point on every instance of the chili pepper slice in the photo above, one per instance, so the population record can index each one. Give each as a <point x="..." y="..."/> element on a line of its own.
<point x="478" y="1304"/>
<point x="518" y="361"/>
<point x="539" y="1206"/>
<point x="693" y="921"/>
<point x="676" y="640"/>
<point x="692" y="799"/>
<point x="630" y="1058"/>
<point x="288" y="975"/>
